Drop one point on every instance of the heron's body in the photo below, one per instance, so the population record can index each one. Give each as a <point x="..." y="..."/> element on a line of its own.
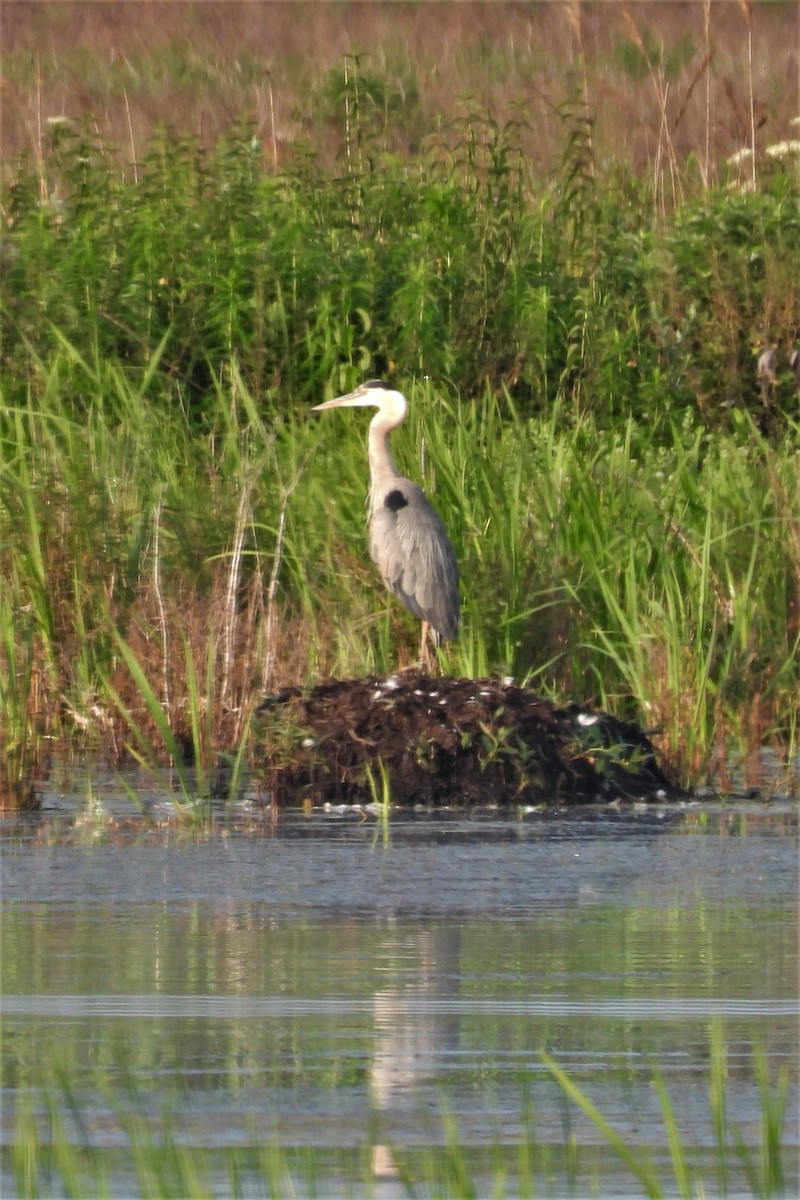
<point x="773" y="362"/>
<point x="408" y="541"/>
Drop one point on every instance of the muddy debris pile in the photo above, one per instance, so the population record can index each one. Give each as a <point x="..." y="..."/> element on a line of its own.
<point x="420" y="740"/>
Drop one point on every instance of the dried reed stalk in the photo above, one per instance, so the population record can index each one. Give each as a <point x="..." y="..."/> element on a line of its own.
<point x="244" y="518"/>
<point x="162" y="612"/>
<point x="131" y="138"/>
<point x="707" y="60"/>
<point x="661" y="89"/>
<point x="271" y="618"/>
<point x="746" y="7"/>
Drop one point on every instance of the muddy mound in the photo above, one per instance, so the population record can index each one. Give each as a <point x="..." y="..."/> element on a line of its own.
<point x="432" y="741"/>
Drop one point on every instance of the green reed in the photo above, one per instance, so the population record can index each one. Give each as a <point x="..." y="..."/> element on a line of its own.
<point x="164" y="488"/>
<point x="55" y="1152"/>
<point x="21" y="733"/>
<point x="456" y="263"/>
<point x="592" y="563"/>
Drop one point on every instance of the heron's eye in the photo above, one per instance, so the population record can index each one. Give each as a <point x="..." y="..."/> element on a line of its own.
<point x="395" y="500"/>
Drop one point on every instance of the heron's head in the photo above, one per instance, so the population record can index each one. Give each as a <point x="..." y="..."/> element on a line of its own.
<point x="372" y="394"/>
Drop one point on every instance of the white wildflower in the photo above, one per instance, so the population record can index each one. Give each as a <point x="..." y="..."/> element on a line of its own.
<point x="782" y="149"/>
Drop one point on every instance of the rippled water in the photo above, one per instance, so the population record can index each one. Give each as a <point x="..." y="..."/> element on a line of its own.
<point x="327" y="986"/>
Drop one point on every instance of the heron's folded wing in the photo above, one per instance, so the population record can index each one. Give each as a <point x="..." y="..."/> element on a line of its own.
<point x="414" y="555"/>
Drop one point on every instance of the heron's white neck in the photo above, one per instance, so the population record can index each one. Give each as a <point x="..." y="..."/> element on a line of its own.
<point x="382" y="469"/>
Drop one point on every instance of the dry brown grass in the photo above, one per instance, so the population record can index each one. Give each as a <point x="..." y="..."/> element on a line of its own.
<point x="712" y="74"/>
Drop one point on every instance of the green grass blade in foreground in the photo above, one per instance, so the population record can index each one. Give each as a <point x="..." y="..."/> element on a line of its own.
<point x="717" y="1101"/>
<point x="641" y="1170"/>
<point x="769" y="1178"/>
<point x="455" y="1163"/>
<point x="679" y="1164"/>
<point x="55" y="1150"/>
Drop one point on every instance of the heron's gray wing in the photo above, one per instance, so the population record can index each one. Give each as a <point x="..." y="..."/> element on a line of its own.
<point x="413" y="552"/>
<point x="767" y="365"/>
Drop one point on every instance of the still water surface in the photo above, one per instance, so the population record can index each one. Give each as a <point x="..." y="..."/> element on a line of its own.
<point x="314" y="984"/>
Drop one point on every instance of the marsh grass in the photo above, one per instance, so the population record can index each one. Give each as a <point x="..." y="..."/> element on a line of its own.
<point x="591" y="566"/>
<point x="179" y="534"/>
<point x="379" y="784"/>
<point x="686" y="86"/>
<point x="56" y="1151"/>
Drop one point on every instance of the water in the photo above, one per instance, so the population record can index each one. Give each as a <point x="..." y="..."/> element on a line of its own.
<point x="316" y="985"/>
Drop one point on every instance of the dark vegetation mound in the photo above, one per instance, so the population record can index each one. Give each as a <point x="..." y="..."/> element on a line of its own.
<point x="428" y="741"/>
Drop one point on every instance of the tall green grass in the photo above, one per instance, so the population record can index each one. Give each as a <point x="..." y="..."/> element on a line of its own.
<point x="455" y="263"/>
<point x="178" y="533"/>
<point x="593" y="566"/>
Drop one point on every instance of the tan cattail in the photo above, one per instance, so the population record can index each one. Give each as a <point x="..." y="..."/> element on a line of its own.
<point x="632" y="31"/>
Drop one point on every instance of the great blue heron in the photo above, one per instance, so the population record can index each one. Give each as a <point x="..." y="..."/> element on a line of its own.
<point x="407" y="540"/>
<point x="773" y="361"/>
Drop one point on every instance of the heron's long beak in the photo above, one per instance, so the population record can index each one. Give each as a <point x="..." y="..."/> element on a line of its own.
<point x="355" y="399"/>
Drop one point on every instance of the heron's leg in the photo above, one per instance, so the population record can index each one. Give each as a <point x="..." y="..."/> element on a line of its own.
<point x="424" y="648"/>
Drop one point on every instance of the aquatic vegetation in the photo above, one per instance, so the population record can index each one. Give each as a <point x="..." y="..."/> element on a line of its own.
<point x="620" y="497"/>
<point x="765" y="1176"/>
<point x="56" y="1152"/>
<point x="21" y="738"/>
